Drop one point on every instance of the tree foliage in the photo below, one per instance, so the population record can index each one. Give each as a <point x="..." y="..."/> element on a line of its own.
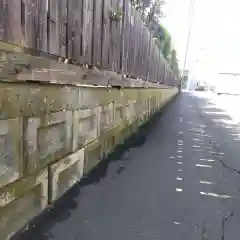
<point x="149" y="9"/>
<point x="174" y="64"/>
<point x="151" y="13"/>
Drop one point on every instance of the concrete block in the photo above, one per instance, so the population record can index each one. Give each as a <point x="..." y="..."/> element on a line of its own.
<point x="139" y="108"/>
<point x="118" y="115"/>
<point x="130" y="112"/>
<point x="93" y="154"/>
<point x="48" y="138"/>
<point x="107" y="117"/>
<point x="65" y="173"/>
<point x="112" y="138"/>
<point x="35" y="100"/>
<point x="21" y="201"/>
<point x="88" y="97"/>
<point x="86" y="126"/>
<point x="127" y="116"/>
<point x="11" y="154"/>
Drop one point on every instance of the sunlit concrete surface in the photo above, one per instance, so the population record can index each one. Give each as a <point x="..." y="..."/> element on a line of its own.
<point x="153" y="191"/>
<point x="230" y="104"/>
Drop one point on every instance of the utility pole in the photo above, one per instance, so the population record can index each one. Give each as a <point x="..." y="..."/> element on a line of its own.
<point x="191" y="11"/>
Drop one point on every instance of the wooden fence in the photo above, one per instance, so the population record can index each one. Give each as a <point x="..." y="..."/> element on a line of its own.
<point x="82" y="30"/>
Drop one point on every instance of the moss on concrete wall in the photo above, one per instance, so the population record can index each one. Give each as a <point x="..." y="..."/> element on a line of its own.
<point x="51" y="135"/>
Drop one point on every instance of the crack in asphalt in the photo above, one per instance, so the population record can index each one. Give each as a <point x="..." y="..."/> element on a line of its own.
<point x="220" y="159"/>
<point x="225" y="218"/>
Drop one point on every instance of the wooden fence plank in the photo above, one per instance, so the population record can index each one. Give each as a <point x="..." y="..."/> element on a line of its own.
<point x="113" y="40"/>
<point x="74" y="31"/>
<point x="42" y="34"/>
<point x="83" y="31"/>
<point x="10" y="21"/>
<point x="126" y="37"/>
<point x="53" y="27"/>
<point x="97" y="32"/>
<point x="31" y="23"/>
<point x="71" y="31"/>
<point x="106" y="34"/>
<point x="62" y="27"/>
<point x="3" y="19"/>
<point x="87" y="30"/>
<point x="119" y="37"/>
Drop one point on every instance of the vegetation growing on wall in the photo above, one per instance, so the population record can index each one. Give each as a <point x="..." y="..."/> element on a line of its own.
<point x="151" y="12"/>
<point x="174" y="64"/>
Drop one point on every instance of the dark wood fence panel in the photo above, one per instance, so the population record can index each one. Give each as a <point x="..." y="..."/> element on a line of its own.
<point x="106" y="34"/>
<point x="10" y="25"/>
<point x="53" y="27"/>
<point x="3" y="19"/>
<point x="84" y="31"/>
<point x="132" y="54"/>
<point x="97" y="32"/>
<point x="115" y="37"/>
<point x="62" y="25"/>
<point x="74" y="30"/>
<point x="31" y="23"/>
<point x="126" y="37"/>
<point x="42" y="27"/>
<point x="87" y="34"/>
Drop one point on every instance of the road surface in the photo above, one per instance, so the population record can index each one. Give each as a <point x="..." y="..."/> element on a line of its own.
<point x="181" y="182"/>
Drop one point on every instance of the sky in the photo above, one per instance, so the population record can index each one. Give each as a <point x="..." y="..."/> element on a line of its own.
<point x="215" y="40"/>
<point x="176" y="21"/>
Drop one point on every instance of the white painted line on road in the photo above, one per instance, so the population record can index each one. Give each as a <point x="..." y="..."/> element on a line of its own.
<point x="215" y="195"/>
<point x="179" y="163"/>
<point x="177" y="223"/>
<point x="234" y="134"/>
<point x="206" y="182"/>
<point x="229" y="127"/>
<point x="204" y="166"/>
<point x="196" y="130"/>
<point x="205" y="135"/>
<point x="207" y="160"/>
<point x="198" y="140"/>
<point x="209" y="148"/>
<point x="179" y="179"/>
<point x="179" y="189"/>
<point x="217" y="153"/>
<point x="179" y="170"/>
<point x="179" y="156"/>
<point x="196" y="146"/>
<point x="179" y="151"/>
<point x="198" y="135"/>
<point x="197" y="150"/>
<point x="171" y="157"/>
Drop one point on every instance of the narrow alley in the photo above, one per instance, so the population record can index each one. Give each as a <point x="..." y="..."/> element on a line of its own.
<point x="180" y="182"/>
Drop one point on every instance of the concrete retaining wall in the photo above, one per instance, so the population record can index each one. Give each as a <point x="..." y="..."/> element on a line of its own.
<point x="51" y="135"/>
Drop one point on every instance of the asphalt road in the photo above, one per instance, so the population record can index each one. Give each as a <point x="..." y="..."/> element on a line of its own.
<point x="181" y="182"/>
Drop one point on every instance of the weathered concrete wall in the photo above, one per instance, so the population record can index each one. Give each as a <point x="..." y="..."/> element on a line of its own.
<point x="50" y="135"/>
